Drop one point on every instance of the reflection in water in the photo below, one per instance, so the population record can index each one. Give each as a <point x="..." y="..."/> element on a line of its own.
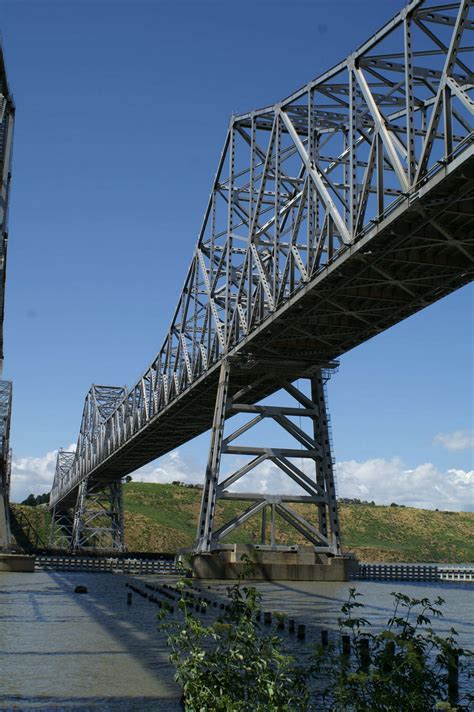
<point x="64" y="651"/>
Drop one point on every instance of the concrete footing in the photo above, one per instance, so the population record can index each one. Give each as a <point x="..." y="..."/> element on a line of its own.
<point x="16" y="562"/>
<point x="295" y="564"/>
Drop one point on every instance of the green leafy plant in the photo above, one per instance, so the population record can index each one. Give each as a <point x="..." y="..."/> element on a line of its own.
<point x="229" y="664"/>
<point x="404" y="667"/>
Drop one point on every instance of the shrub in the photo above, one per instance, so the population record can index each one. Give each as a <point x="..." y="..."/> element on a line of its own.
<point x="229" y="665"/>
<point x="404" y="667"/>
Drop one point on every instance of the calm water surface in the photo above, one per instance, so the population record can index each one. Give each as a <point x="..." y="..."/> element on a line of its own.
<point x="65" y="651"/>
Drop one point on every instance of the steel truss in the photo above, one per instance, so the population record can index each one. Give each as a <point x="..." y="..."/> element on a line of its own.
<point x="333" y="214"/>
<point x="98" y="518"/>
<point x="7" y="120"/>
<point x="314" y="448"/>
<point x="62" y="520"/>
<point x="61" y="532"/>
<point x="5" y="463"/>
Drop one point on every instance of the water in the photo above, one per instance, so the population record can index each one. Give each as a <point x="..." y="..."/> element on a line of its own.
<point x="66" y="651"/>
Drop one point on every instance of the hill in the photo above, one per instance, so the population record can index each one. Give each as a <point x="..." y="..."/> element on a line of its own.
<point x="163" y="518"/>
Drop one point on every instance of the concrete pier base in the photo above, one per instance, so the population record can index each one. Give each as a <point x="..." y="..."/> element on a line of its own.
<point x="16" y="562"/>
<point x="291" y="564"/>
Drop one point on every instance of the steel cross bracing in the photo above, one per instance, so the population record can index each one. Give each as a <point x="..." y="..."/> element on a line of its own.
<point x="313" y="448"/>
<point x="333" y="215"/>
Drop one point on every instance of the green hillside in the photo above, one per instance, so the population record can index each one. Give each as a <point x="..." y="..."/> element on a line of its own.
<point x="163" y="518"/>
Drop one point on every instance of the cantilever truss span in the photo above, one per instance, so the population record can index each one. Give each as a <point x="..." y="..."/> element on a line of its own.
<point x="7" y="116"/>
<point x="333" y="215"/>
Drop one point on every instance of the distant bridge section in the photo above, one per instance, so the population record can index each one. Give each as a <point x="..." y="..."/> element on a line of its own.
<point x="7" y="116"/>
<point x="334" y="214"/>
<point x="5" y="463"/>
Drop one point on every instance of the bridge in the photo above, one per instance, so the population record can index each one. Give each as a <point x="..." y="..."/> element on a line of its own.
<point x="7" y="115"/>
<point x="334" y="214"/>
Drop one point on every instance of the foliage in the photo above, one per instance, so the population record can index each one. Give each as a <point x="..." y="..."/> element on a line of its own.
<point x="33" y="501"/>
<point x="230" y="665"/>
<point x="406" y="669"/>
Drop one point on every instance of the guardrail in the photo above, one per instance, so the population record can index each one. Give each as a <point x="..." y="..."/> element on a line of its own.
<point x="414" y="572"/>
<point x="122" y="565"/>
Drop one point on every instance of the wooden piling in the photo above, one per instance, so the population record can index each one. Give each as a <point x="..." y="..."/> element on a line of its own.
<point x="301" y="631"/>
<point x="364" y="653"/>
<point x="453" y="677"/>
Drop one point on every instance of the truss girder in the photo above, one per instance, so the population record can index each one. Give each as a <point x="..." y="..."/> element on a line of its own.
<point x="7" y="121"/>
<point x="331" y="199"/>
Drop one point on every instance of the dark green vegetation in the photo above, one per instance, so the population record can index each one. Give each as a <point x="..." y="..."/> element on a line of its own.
<point x="163" y="518"/>
<point x="232" y="665"/>
<point x="32" y="501"/>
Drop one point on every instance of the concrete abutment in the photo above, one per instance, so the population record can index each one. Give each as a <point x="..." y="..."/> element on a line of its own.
<point x="254" y="564"/>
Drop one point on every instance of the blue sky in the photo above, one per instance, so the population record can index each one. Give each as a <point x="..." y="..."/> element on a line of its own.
<point x="122" y="109"/>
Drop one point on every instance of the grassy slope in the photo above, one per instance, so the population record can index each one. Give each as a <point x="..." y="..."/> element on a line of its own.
<point x="168" y="514"/>
<point x="164" y="517"/>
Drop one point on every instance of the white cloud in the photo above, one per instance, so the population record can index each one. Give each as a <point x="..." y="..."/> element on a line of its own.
<point x="387" y="481"/>
<point x="169" y="468"/>
<point x="458" y="440"/>
<point x="384" y="481"/>
<point x="33" y="474"/>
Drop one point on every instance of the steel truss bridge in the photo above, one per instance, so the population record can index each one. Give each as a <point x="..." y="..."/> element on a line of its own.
<point x="333" y="215"/>
<point x="7" y="116"/>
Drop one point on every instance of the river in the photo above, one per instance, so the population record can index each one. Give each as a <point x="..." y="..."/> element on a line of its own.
<point x="65" y="651"/>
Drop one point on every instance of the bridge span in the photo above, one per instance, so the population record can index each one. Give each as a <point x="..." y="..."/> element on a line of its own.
<point x="7" y="118"/>
<point x="334" y="214"/>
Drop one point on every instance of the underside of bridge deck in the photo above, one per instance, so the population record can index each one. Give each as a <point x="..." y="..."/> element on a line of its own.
<point x="420" y="255"/>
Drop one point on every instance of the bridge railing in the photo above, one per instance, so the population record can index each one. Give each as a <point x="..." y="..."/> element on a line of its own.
<point x="297" y="184"/>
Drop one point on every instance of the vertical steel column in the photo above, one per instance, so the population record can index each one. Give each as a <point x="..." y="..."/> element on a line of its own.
<point x="320" y="473"/>
<point x="208" y="501"/>
<point x="352" y="146"/>
<point x="326" y="473"/>
<point x="448" y="122"/>
<point x="379" y="174"/>
<point x="264" y="526"/>
<point x="116" y="515"/>
<point x="273" y="527"/>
